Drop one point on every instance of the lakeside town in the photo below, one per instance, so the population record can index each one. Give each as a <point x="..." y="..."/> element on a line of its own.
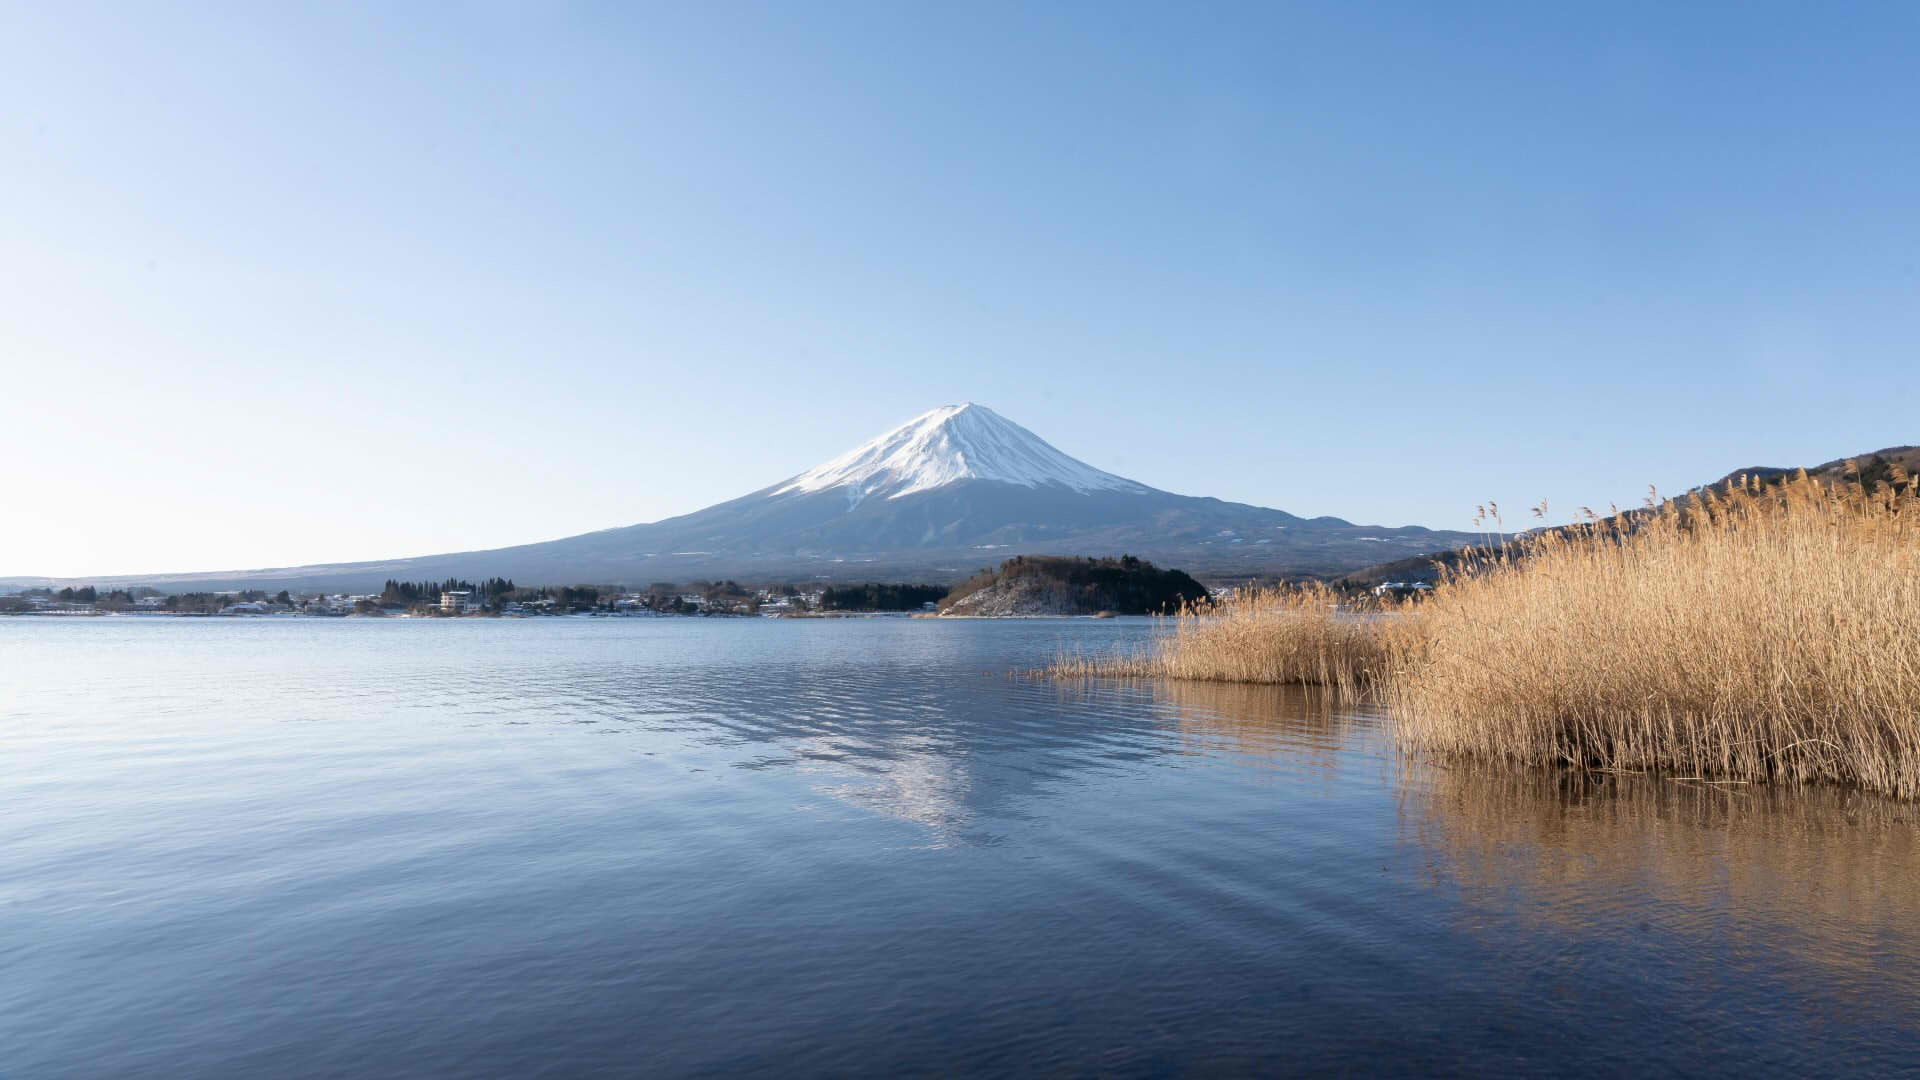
<point x="495" y="598"/>
<point x="1023" y="585"/>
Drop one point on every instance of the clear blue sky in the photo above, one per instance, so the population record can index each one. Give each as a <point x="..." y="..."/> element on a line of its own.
<point x="282" y="285"/>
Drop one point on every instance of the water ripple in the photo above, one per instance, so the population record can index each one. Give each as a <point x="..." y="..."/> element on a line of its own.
<point x="235" y="848"/>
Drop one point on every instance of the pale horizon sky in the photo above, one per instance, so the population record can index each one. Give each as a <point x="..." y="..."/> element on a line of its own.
<point x="289" y="284"/>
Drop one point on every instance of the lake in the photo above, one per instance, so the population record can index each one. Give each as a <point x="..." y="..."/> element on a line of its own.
<point x="679" y="847"/>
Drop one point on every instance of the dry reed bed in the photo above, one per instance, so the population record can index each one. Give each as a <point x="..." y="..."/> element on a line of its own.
<point x="1770" y="633"/>
<point x="1763" y="634"/>
<point x="1284" y="635"/>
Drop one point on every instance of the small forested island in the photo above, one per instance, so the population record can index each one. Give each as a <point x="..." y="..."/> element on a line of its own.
<point x="1063" y="585"/>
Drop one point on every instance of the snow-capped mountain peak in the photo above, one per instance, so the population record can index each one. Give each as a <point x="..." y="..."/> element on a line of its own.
<point x="948" y="445"/>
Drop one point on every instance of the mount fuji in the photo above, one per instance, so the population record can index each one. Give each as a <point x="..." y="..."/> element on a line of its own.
<point x="946" y="493"/>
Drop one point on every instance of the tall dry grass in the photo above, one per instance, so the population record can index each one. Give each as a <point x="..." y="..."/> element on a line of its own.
<point x="1289" y="634"/>
<point x="1764" y="633"/>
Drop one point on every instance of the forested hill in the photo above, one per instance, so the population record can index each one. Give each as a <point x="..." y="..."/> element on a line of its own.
<point x="1870" y="469"/>
<point x="1060" y="585"/>
<point x="1895" y="465"/>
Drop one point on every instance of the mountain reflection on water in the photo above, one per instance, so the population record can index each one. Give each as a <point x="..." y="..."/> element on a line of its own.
<point x="685" y="847"/>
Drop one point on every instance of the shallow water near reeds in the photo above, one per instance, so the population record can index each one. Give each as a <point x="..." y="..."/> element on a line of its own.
<point x="284" y="847"/>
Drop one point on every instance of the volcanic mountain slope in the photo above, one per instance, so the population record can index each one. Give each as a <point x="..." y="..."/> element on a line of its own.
<point x="952" y="490"/>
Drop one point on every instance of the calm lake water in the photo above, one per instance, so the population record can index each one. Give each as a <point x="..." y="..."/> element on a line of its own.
<point x="283" y="847"/>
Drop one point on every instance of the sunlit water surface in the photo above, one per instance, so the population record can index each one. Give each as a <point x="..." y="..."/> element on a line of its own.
<point x="283" y="847"/>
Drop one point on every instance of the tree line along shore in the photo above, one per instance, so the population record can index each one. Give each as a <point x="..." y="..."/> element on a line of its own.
<point x="494" y="597"/>
<point x="1021" y="585"/>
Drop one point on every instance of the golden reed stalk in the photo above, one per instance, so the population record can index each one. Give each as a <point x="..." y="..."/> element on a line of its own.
<point x="1763" y="633"/>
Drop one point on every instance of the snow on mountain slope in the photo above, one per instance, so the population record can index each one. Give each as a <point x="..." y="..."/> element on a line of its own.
<point x="950" y="444"/>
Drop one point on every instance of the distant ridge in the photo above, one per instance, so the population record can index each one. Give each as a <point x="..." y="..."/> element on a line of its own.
<point x="951" y="491"/>
<point x="1874" y="466"/>
<point x="1872" y="463"/>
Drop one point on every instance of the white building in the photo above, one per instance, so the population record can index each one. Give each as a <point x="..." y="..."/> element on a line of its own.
<point x="457" y="602"/>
